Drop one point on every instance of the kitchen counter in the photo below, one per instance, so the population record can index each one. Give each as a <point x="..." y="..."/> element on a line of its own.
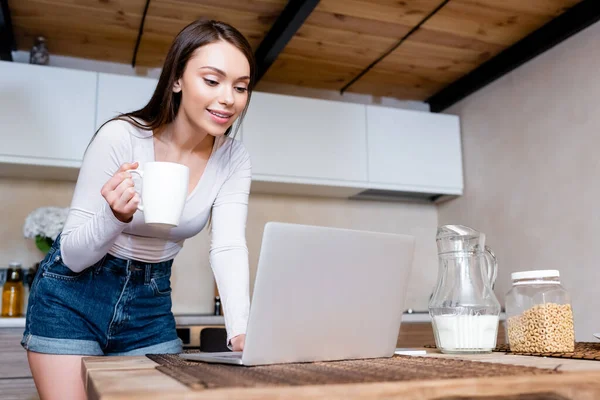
<point x="12" y="322"/>
<point x="219" y="319"/>
<point x="129" y="378"/>
<point x="179" y="320"/>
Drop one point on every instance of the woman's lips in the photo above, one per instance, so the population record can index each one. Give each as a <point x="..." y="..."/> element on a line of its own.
<point x="220" y="117"/>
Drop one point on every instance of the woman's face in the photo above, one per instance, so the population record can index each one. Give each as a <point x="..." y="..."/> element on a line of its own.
<point x="214" y="87"/>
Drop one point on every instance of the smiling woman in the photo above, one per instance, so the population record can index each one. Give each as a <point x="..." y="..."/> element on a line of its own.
<point x="104" y="286"/>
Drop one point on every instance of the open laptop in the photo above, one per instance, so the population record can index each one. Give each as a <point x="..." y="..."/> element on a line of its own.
<point x="323" y="294"/>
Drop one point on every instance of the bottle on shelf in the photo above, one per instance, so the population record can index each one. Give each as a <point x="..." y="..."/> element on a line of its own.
<point x="12" y="292"/>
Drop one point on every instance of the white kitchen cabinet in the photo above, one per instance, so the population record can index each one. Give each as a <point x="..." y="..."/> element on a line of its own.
<point x="298" y="145"/>
<point x="119" y="94"/>
<point x="306" y="141"/>
<point x="47" y="114"/>
<point x="414" y="151"/>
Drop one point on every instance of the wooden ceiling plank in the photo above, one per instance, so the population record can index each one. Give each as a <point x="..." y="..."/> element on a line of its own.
<point x="325" y="66"/>
<point x="547" y="8"/>
<point x="400" y="12"/>
<point x="77" y="36"/>
<point x="65" y="16"/>
<point x="399" y="78"/>
<point x="317" y="34"/>
<point x="55" y="27"/>
<point x="435" y="56"/>
<point x="437" y="71"/>
<point x="186" y="13"/>
<point x="309" y="69"/>
<point x="427" y="36"/>
<point x="125" y="6"/>
<point x="483" y="22"/>
<point x="356" y="56"/>
<point x="253" y="6"/>
<point x="400" y="72"/>
<point x="166" y="29"/>
<point x="162" y="40"/>
<point x="357" y="24"/>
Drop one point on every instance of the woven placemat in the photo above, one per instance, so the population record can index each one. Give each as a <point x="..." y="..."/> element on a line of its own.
<point x="583" y="351"/>
<point x="199" y="375"/>
<point x="523" y="396"/>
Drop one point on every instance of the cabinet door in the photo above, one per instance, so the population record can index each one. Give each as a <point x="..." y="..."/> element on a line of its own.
<point x="46" y="113"/>
<point x="305" y="138"/>
<point x="18" y="389"/>
<point x="14" y="358"/>
<point x="415" y="150"/>
<point x="119" y="94"/>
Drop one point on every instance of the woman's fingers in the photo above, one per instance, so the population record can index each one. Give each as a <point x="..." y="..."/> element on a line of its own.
<point x="119" y="192"/>
<point x="118" y="177"/>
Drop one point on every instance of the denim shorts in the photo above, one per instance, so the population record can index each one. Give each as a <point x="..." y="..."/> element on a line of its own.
<point x="116" y="307"/>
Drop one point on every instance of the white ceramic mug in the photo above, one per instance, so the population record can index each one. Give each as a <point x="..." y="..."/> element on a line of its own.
<point x="164" y="191"/>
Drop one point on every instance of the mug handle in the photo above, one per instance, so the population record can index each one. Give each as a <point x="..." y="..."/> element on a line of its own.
<point x="141" y="174"/>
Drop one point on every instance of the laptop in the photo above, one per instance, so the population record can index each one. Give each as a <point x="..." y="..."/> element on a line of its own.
<point x="323" y="294"/>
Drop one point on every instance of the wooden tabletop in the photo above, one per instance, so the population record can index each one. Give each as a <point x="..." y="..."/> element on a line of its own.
<point x="129" y="378"/>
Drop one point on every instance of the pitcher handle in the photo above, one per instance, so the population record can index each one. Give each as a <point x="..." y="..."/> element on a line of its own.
<point x="492" y="265"/>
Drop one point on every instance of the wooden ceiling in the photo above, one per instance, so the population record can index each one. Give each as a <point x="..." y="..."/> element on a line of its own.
<point x="338" y="40"/>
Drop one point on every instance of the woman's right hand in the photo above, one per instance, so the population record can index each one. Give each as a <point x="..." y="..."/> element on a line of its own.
<point x="120" y="193"/>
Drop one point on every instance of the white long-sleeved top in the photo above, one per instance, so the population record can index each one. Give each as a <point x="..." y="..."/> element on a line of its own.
<point x="92" y="230"/>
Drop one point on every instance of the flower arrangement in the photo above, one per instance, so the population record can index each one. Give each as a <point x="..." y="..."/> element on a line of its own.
<point x="44" y="224"/>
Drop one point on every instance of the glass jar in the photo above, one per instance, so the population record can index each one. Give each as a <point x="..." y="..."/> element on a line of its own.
<point x="539" y="314"/>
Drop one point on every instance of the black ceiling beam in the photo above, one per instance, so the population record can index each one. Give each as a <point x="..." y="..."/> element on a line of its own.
<point x="7" y="36"/>
<point x="285" y="27"/>
<point x="578" y="17"/>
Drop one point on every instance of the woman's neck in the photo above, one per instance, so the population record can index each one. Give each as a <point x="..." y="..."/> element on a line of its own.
<point x="186" y="138"/>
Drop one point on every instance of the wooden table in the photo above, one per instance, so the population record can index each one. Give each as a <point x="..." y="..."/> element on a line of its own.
<point x="128" y="378"/>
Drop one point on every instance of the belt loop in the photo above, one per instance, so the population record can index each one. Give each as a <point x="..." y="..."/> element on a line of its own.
<point x="128" y="266"/>
<point x="148" y="274"/>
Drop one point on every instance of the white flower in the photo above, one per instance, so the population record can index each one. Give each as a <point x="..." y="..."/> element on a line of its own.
<point x="45" y="221"/>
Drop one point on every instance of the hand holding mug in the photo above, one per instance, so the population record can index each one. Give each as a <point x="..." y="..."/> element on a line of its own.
<point x="120" y="193"/>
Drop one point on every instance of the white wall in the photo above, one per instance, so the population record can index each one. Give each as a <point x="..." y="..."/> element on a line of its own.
<point x="532" y="171"/>
<point x="193" y="284"/>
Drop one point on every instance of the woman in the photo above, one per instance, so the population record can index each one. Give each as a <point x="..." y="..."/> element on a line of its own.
<point x="103" y="288"/>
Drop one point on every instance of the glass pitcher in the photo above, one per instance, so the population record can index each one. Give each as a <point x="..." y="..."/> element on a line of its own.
<point x="463" y="308"/>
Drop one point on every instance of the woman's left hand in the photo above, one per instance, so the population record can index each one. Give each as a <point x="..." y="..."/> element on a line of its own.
<point x="237" y="342"/>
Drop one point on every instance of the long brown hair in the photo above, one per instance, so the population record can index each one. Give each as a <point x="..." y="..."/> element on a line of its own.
<point x="164" y="104"/>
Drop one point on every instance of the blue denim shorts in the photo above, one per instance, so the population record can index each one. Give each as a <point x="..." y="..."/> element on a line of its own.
<point x="116" y="307"/>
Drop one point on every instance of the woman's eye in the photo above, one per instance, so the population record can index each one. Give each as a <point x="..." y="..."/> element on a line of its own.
<point x="241" y="89"/>
<point x="210" y="82"/>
